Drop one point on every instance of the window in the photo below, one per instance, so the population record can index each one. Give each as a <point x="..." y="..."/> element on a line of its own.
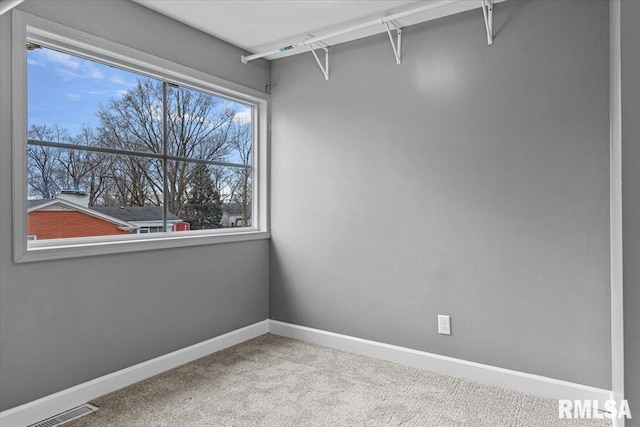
<point x="123" y="151"/>
<point x="126" y="145"/>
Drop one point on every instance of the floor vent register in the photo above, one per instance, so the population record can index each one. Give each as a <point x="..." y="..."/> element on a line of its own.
<point x="71" y="414"/>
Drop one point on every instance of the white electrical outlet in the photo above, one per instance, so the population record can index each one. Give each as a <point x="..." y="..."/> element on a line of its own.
<point x="444" y="324"/>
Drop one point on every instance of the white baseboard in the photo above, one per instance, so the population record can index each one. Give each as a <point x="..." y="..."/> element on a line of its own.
<point x="56" y="403"/>
<point x="487" y="374"/>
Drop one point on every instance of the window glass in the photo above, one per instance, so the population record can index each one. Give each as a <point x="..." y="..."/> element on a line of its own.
<point x="108" y="148"/>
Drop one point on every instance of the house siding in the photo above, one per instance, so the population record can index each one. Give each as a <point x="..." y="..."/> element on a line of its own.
<point x="59" y="224"/>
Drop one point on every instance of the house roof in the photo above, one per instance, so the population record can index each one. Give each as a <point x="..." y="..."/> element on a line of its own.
<point x="135" y="213"/>
<point x="232" y="208"/>
<point x="118" y="214"/>
<point x="34" y="203"/>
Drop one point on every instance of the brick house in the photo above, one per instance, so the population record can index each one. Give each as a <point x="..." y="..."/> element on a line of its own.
<point x="58" y="218"/>
<point x="68" y="215"/>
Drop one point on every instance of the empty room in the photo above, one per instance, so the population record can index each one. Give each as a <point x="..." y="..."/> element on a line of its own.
<point x="319" y="213"/>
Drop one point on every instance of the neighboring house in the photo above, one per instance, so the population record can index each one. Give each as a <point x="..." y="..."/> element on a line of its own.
<point x="146" y="219"/>
<point x="69" y="215"/>
<point x="58" y="218"/>
<point x="232" y="216"/>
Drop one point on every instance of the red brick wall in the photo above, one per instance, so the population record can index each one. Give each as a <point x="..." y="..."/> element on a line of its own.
<point x="59" y="224"/>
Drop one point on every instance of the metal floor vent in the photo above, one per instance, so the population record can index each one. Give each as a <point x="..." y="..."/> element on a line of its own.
<point x="66" y="416"/>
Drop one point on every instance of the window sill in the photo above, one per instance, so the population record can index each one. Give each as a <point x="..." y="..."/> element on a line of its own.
<point x="77" y="250"/>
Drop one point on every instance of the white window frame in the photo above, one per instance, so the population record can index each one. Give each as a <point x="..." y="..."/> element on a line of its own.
<point x="29" y="28"/>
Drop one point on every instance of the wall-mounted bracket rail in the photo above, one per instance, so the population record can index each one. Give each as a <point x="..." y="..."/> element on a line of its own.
<point x="390" y="22"/>
<point x="324" y="68"/>
<point x="487" y="11"/>
<point x="397" y="46"/>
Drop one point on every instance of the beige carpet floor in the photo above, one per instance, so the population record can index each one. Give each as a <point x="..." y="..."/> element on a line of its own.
<point x="276" y="381"/>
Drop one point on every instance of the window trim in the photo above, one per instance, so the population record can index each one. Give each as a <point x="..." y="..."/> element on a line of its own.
<point x="30" y="28"/>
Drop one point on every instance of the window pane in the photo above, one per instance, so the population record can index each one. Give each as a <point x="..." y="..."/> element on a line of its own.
<point x="209" y="196"/>
<point x="236" y="195"/>
<point x="241" y="138"/>
<point x="81" y="113"/>
<point x="78" y="101"/>
<point x="43" y="172"/>
<point x="127" y="181"/>
<point x="92" y="194"/>
<point x="204" y="126"/>
<point x="133" y="121"/>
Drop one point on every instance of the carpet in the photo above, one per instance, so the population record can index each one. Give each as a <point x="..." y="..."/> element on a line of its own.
<point x="277" y="381"/>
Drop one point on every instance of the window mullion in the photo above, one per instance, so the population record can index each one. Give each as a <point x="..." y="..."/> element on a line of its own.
<point x="38" y="143"/>
<point x="165" y="135"/>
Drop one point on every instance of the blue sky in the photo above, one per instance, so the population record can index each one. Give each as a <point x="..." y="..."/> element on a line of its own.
<point x="68" y="90"/>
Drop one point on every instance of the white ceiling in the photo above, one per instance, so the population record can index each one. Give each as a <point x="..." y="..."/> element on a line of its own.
<point x="262" y="25"/>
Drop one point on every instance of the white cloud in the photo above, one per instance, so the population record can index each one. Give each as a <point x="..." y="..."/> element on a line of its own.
<point x="60" y="58"/>
<point x="119" y="80"/>
<point x="243" y="116"/>
<point x="119" y="92"/>
<point x="94" y="73"/>
<point x="66" y="74"/>
<point x="68" y="67"/>
<point x="72" y="96"/>
<point x="86" y="71"/>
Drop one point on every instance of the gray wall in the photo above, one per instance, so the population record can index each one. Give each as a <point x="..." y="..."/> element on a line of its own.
<point x="470" y="181"/>
<point x="69" y="321"/>
<point x="630" y="38"/>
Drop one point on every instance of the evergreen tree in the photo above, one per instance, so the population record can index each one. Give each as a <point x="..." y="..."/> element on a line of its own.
<point x="202" y="209"/>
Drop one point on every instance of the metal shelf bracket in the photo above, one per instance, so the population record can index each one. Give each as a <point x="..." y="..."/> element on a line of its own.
<point x="487" y="11"/>
<point x="397" y="46"/>
<point x="324" y="68"/>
